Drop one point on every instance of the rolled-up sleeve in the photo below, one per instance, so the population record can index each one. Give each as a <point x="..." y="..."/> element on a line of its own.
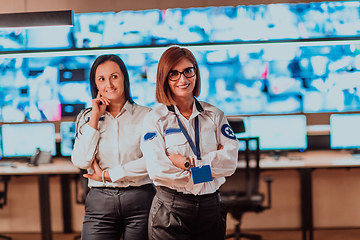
<point x="223" y="162"/>
<point x="85" y="147"/>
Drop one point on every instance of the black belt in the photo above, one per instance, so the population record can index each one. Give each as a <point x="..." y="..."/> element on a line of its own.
<point x="172" y="191"/>
<point x="124" y="188"/>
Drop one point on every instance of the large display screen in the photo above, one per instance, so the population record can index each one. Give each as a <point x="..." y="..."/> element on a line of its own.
<point x="22" y="140"/>
<point x="67" y="131"/>
<point x="240" y="79"/>
<point x="227" y="24"/>
<point x="345" y="131"/>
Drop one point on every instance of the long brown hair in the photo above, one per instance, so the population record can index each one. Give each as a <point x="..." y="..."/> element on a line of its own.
<point x="168" y="60"/>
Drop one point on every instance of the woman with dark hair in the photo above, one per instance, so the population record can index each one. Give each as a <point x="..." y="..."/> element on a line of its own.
<point x="189" y="149"/>
<point x="107" y="144"/>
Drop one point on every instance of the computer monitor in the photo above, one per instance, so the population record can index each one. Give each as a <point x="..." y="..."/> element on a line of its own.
<point x="286" y="132"/>
<point x="71" y="110"/>
<point x="240" y="128"/>
<point x="22" y="140"/>
<point x="345" y="131"/>
<point x="67" y="130"/>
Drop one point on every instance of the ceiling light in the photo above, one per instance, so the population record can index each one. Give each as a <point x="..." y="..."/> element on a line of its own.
<point x="37" y="19"/>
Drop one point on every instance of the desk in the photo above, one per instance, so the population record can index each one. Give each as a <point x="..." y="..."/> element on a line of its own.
<point x="58" y="167"/>
<point x="306" y="163"/>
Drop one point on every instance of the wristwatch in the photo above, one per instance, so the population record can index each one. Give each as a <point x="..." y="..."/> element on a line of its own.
<point x="187" y="163"/>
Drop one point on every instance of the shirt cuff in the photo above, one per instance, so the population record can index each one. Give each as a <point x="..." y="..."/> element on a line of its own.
<point x="117" y="173"/>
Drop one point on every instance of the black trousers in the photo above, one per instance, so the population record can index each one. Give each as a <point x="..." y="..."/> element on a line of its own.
<point x="175" y="216"/>
<point x="113" y="212"/>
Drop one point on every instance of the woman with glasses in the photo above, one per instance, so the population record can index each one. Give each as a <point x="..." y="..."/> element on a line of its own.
<point x="107" y="144"/>
<point x="189" y="149"/>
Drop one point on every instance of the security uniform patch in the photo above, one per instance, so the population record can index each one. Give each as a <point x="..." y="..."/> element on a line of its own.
<point x="150" y="136"/>
<point x="227" y="131"/>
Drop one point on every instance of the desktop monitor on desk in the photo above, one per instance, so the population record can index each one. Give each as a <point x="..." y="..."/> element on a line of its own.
<point x="345" y="131"/>
<point x="22" y="140"/>
<point x="67" y="130"/>
<point x="240" y="128"/>
<point x="279" y="133"/>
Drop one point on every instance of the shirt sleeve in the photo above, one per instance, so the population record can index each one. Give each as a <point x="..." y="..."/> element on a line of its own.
<point x="85" y="146"/>
<point x="223" y="162"/>
<point x="134" y="170"/>
<point x="159" y="166"/>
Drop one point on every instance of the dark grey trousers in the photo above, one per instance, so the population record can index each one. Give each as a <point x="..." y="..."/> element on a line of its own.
<point x="175" y="216"/>
<point x="114" y="212"/>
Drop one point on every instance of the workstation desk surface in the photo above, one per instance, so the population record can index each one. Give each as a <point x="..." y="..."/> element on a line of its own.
<point x="60" y="166"/>
<point x="308" y="159"/>
<point x="306" y="162"/>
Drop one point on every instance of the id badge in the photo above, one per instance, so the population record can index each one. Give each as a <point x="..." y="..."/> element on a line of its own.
<point x="201" y="174"/>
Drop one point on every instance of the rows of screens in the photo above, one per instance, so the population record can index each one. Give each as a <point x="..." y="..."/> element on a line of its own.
<point x="194" y="25"/>
<point x="275" y="132"/>
<point x="290" y="132"/>
<point x="250" y="79"/>
<point x="287" y="132"/>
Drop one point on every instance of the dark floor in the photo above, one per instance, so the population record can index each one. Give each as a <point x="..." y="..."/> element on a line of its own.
<point x="323" y="234"/>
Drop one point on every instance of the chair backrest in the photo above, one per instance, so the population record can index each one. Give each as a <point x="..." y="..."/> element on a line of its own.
<point x="237" y="125"/>
<point x="245" y="180"/>
<point x="3" y="194"/>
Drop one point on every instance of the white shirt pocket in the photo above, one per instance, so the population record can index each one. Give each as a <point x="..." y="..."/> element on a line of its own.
<point x="105" y="136"/>
<point x="175" y="143"/>
<point x="132" y="133"/>
<point x="209" y="142"/>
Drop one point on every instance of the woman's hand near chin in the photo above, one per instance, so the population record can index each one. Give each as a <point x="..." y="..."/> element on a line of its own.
<point x="99" y="105"/>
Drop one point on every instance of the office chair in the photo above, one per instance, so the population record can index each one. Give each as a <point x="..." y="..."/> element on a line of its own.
<point x="81" y="191"/>
<point x="3" y="198"/>
<point x="246" y="197"/>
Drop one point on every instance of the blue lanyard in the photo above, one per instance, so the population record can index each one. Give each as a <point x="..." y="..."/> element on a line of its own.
<point x="195" y="149"/>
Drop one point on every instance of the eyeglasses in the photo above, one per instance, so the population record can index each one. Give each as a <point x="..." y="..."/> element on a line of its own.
<point x="175" y="75"/>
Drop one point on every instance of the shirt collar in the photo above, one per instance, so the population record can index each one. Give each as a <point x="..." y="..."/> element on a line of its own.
<point x="197" y="108"/>
<point x="129" y="107"/>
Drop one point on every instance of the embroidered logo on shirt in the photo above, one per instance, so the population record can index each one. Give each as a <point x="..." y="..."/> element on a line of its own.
<point x="150" y="136"/>
<point x="172" y="130"/>
<point x="228" y="132"/>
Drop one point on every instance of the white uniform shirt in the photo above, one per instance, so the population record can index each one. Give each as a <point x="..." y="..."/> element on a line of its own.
<point x="162" y="137"/>
<point x="116" y="144"/>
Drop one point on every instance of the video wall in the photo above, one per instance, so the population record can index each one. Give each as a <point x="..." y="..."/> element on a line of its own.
<point x="254" y="60"/>
<point x="227" y="24"/>
<point x="240" y="79"/>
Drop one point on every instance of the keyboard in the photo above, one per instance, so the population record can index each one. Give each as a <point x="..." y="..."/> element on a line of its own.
<point x="6" y="164"/>
<point x="14" y="159"/>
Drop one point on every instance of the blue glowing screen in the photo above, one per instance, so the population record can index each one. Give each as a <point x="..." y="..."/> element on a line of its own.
<point x="344" y="131"/>
<point x="286" y="132"/>
<point x="19" y="140"/>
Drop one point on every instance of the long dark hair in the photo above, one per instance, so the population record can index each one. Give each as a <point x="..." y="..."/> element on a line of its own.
<point x="94" y="91"/>
<point x="114" y="58"/>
